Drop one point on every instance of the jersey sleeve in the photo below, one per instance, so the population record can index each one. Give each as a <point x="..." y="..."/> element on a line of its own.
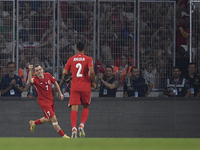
<point x="68" y="65"/>
<point x="90" y="62"/>
<point x="34" y="80"/>
<point x="53" y="79"/>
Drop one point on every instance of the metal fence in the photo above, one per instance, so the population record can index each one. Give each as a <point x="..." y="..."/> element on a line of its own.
<point x="120" y="33"/>
<point x="156" y="40"/>
<point x="192" y="46"/>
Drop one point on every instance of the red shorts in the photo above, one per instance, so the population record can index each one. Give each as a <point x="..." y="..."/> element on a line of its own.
<point x="80" y="97"/>
<point x="48" y="110"/>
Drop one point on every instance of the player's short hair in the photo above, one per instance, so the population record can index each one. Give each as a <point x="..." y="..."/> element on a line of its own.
<point x="80" y="46"/>
<point x="37" y="65"/>
<point x="110" y="67"/>
<point x="10" y="63"/>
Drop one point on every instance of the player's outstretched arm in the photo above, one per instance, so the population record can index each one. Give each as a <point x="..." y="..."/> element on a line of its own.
<point x="30" y="67"/>
<point x="61" y="97"/>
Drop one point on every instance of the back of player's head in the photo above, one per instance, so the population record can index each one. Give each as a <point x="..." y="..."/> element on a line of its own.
<point x="80" y="46"/>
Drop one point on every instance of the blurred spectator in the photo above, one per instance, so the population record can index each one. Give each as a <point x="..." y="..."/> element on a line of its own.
<point x="3" y="13"/>
<point x="128" y="12"/>
<point x="36" y="60"/>
<point x="31" y="46"/>
<point x="89" y="28"/>
<point x="7" y="26"/>
<point x="31" y="92"/>
<point x="108" y="84"/>
<point x="43" y="16"/>
<point x="128" y="51"/>
<point x="151" y="74"/>
<point x="80" y="15"/>
<point x="11" y="84"/>
<point x="65" y="54"/>
<point x="26" y="30"/>
<point x="125" y="68"/>
<point x="69" y="23"/>
<point x="65" y="85"/>
<point x="183" y="32"/>
<point x="117" y="17"/>
<point x="176" y="86"/>
<point x="182" y="61"/>
<point x="104" y="48"/>
<point x="7" y="45"/>
<point x="129" y="31"/>
<point x="2" y="44"/>
<point x="136" y="85"/>
<point x="49" y="64"/>
<point x="99" y="68"/>
<point x="23" y="72"/>
<point x="193" y="80"/>
<point x="193" y="48"/>
<point x="27" y="10"/>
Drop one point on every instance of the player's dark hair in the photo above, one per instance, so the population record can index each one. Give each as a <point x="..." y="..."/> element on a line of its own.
<point x="110" y="67"/>
<point x="80" y="46"/>
<point x="133" y="68"/>
<point x="10" y="63"/>
<point x="37" y="65"/>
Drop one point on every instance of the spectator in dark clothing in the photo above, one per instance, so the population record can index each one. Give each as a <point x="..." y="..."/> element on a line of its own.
<point x="182" y="61"/>
<point x="137" y="86"/>
<point x="176" y="86"/>
<point x="11" y="84"/>
<point x="193" y="80"/>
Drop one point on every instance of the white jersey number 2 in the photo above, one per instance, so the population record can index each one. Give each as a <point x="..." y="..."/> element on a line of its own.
<point x="79" y="66"/>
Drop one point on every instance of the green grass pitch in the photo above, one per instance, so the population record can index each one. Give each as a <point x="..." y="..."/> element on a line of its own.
<point x="99" y="144"/>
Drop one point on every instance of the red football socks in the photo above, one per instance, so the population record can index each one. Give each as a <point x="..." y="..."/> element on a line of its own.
<point x="61" y="132"/>
<point x="38" y="122"/>
<point x="84" y="115"/>
<point x="73" y="117"/>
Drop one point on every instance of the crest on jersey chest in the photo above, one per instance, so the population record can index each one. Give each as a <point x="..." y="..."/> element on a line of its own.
<point x="49" y="82"/>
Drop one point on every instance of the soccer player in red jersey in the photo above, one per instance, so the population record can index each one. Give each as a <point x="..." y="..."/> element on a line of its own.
<point x="81" y="68"/>
<point x="42" y="83"/>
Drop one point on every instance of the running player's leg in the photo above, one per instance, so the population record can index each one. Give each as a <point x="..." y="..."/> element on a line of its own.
<point x="86" y="99"/>
<point x="56" y="126"/>
<point x="73" y="116"/>
<point x="73" y="103"/>
<point x="84" y="116"/>
<point x="37" y="122"/>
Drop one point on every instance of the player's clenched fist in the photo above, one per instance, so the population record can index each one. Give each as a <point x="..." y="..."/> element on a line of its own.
<point x="61" y="97"/>
<point x="94" y="85"/>
<point x="30" y="66"/>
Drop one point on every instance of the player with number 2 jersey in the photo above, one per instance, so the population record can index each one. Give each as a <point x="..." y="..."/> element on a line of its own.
<point x="81" y="68"/>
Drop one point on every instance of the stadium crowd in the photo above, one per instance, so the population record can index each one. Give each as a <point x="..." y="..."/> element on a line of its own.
<point x="113" y="37"/>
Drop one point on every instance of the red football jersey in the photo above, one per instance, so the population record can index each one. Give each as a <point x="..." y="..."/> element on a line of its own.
<point x="79" y="66"/>
<point x="43" y="88"/>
